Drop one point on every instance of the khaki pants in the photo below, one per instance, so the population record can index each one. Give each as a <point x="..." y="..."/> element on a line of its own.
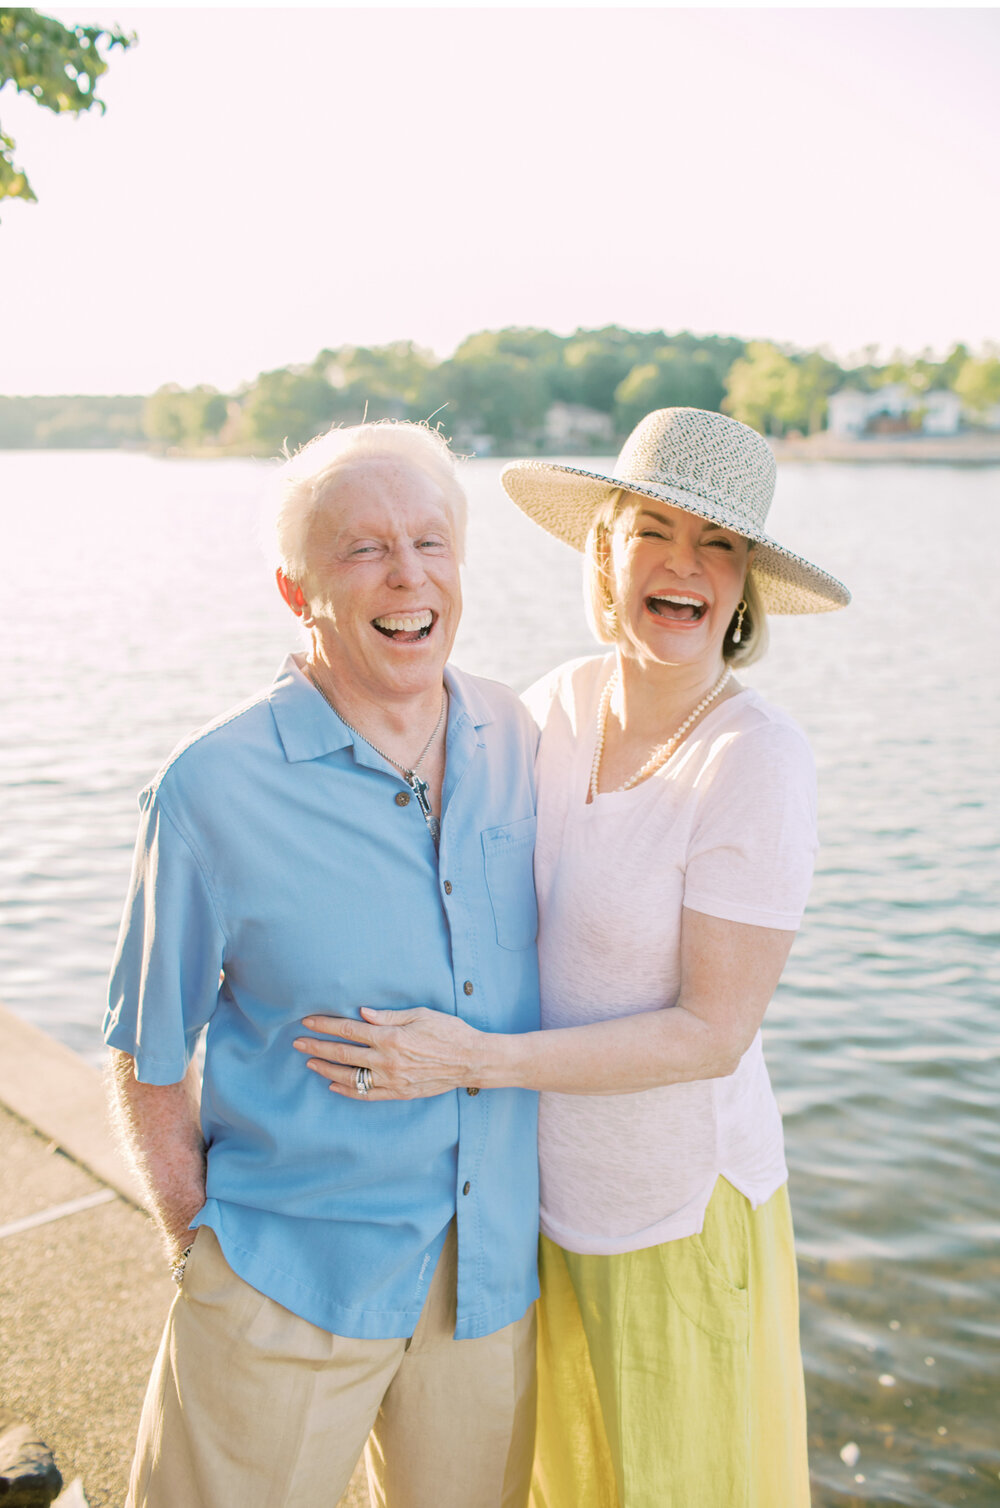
<point x="250" y="1406"/>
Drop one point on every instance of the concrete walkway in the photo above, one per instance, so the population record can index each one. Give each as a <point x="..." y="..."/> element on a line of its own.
<point x="84" y="1287"/>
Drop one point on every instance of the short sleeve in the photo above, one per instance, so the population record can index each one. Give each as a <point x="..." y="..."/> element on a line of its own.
<point x="753" y="844"/>
<point x="171" y="949"/>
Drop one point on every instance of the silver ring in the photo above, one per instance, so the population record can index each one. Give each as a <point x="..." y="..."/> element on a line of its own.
<point x="362" y="1081"/>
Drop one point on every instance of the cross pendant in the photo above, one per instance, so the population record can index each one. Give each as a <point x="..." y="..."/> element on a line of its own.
<point x="419" y="789"/>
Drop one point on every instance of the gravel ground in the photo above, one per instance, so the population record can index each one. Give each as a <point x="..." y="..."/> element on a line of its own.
<point x="82" y="1304"/>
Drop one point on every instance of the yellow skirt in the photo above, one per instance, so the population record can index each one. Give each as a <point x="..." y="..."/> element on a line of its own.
<point x="672" y="1377"/>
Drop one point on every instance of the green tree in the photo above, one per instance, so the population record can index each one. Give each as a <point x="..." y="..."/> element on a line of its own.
<point x="923" y="373"/>
<point x="90" y="423"/>
<point x="952" y="364"/>
<point x="719" y="350"/>
<point x="539" y="346"/>
<point x="596" y="362"/>
<point x="905" y="371"/>
<point x="163" y="415"/>
<point x="70" y="422"/>
<point x="177" y="418"/>
<point x="486" y="391"/>
<point x="978" y="382"/>
<point x="210" y="410"/>
<point x="58" y="66"/>
<point x="816" y="378"/>
<point x="674" y="378"/>
<point x="290" y="405"/>
<point x="920" y="374"/>
<point x="756" y="384"/>
<point x="773" y="391"/>
<point x="544" y="350"/>
<point x="382" y="381"/>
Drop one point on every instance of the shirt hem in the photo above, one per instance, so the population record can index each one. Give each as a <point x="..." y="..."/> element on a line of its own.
<point x="687" y="1222"/>
<point x="337" y="1319"/>
<point x="727" y="911"/>
<point x="148" y="1070"/>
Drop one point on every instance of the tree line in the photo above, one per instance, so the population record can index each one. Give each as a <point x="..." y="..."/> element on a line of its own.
<point x="497" y="392"/>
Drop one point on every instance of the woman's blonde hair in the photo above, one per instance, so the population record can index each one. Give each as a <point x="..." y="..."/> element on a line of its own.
<point x="599" y="601"/>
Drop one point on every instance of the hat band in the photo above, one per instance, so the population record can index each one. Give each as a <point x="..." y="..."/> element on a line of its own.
<point x="731" y="506"/>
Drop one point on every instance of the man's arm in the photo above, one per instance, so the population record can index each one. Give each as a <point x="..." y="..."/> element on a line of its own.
<point x="159" y="1126"/>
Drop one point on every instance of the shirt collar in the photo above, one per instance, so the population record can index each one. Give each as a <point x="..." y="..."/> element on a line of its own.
<point x="309" y="728"/>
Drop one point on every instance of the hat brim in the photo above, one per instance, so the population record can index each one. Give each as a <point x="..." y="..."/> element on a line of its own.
<point x="564" y="499"/>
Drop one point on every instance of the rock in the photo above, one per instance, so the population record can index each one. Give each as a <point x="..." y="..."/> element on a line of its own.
<point x="29" y="1478"/>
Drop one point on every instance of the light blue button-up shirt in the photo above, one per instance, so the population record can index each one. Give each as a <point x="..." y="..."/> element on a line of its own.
<point x="275" y="875"/>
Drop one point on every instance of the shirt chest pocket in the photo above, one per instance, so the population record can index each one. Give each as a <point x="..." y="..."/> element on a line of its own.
<point x="508" y="854"/>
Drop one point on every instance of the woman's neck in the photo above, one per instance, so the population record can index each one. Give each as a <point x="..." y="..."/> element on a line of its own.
<point x="653" y="699"/>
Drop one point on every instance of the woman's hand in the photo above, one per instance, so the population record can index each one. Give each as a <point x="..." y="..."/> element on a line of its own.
<point x="729" y="971"/>
<point x="411" y="1054"/>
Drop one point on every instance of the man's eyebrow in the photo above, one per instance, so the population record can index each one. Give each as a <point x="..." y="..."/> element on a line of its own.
<point x="352" y="534"/>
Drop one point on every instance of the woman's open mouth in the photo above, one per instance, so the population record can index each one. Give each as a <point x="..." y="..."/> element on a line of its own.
<point x="405" y="628"/>
<point x="678" y="609"/>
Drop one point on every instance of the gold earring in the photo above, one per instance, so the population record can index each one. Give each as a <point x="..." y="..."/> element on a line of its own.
<point x="741" y="608"/>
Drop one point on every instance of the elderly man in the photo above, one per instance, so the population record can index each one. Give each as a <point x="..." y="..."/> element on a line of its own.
<point x="358" y="835"/>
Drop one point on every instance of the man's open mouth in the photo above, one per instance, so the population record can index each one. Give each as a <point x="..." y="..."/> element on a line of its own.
<point x="405" y="628"/>
<point x="678" y="609"/>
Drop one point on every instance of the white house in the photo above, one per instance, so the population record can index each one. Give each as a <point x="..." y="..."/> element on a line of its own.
<point x="574" y="426"/>
<point x="851" y="414"/>
<point x="942" y="412"/>
<point x="469" y="441"/>
<point x="847" y="412"/>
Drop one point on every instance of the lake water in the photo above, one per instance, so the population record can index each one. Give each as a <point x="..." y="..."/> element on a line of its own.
<point x="137" y="604"/>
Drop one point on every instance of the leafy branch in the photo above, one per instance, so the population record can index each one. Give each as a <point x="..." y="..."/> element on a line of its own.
<point x="58" y="66"/>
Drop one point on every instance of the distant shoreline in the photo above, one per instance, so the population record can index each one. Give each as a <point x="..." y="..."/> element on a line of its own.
<point x="941" y="450"/>
<point x="976" y="449"/>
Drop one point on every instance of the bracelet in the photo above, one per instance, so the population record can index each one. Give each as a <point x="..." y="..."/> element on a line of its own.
<point x="177" y="1268"/>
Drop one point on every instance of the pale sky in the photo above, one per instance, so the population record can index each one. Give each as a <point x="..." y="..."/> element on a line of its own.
<point x="268" y="182"/>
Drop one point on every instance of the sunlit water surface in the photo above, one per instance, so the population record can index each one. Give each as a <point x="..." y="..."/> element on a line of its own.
<point x="137" y="604"/>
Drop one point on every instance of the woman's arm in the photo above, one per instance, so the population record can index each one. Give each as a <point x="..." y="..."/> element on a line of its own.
<point x="729" y="972"/>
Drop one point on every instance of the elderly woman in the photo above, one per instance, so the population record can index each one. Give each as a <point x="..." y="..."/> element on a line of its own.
<point x="676" y="838"/>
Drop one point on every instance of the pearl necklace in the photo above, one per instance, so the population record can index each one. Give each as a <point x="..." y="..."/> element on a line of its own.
<point x="662" y="752"/>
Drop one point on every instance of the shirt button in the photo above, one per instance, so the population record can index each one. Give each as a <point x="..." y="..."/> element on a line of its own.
<point x="402" y="798"/>
<point x="466" y="1188"/>
<point x="468" y="987"/>
<point x="447" y="887"/>
<point x="472" y="1091"/>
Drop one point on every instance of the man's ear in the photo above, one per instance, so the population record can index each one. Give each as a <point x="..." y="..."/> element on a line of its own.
<point x="292" y="593"/>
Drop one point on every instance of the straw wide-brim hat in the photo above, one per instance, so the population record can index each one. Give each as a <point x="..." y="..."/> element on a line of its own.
<point x="705" y="463"/>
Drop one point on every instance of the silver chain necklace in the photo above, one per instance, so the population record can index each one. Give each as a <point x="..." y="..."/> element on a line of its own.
<point x="410" y="774"/>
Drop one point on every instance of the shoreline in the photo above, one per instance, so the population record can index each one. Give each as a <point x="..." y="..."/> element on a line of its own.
<point x="61" y="1096"/>
<point x="940" y="450"/>
<point x="980" y="449"/>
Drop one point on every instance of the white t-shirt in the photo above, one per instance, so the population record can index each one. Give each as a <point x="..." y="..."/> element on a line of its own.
<point x="727" y="827"/>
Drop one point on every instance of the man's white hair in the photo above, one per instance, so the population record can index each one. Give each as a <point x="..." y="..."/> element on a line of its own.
<point x="307" y="477"/>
